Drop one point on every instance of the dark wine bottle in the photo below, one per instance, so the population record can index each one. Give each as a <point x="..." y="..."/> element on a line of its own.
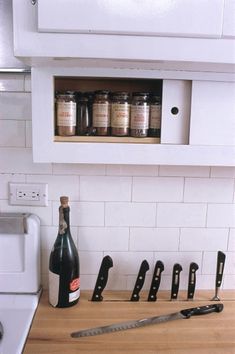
<point x="64" y="281"/>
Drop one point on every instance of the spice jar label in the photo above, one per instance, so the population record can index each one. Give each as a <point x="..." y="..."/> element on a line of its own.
<point x="101" y="115"/>
<point x="66" y="114"/>
<point x="139" y="117"/>
<point x="155" y="116"/>
<point x="120" y="114"/>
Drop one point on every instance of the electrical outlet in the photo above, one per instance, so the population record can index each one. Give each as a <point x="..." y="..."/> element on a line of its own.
<point x="28" y="194"/>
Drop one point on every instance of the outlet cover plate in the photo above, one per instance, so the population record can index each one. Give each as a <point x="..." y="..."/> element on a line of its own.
<point x="28" y="194"/>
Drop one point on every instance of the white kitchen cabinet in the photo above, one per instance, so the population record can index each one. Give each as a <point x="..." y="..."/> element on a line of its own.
<point x="181" y="18"/>
<point x="175" y="148"/>
<point x="229" y="19"/>
<point x="213" y="113"/>
<point x="160" y="35"/>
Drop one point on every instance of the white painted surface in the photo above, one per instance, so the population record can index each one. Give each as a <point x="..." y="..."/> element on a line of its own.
<point x="176" y="94"/>
<point x="24" y="261"/>
<point x="149" y="17"/>
<point x="212" y="113"/>
<point x="164" y="53"/>
<point x="229" y="19"/>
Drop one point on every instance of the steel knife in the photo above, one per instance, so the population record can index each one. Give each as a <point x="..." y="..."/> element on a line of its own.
<point x="1" y="330"/>
<point x="102" y="278"/>
<point x="192" y="280"/>
<point x="183" y="314"/>
<point x="219" y="273"/>
<point x="139" y="281"/>
<point x="159" y="268"/>
<point x="175" y="281"/>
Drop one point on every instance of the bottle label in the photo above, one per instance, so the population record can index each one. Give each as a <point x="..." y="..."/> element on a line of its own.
<point x="75" y="284"/>
<point x="101" y="115"/>
<point x="66" y="114"/>
<point x="74" y="295"/>
<point x="54" y="282"/>
<point x="155" y="117"/>
<point x="120" y="114"/>
<point x="139" y="117"/>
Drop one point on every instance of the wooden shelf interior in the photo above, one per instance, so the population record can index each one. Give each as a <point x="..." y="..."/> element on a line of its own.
<point x="106" y="139"/>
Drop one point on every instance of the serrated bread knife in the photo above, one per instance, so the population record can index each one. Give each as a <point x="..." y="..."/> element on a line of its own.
<point x="183" y="314"/>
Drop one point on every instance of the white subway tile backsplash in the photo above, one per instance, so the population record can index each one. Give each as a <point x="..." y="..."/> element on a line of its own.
<point x="154" y="239"/>
<point x="27" y="83"/>
<point x="82" y="213"/>
<point x="184" y="171"/>
<point x="131" y="170"/>
<point x="231" y="242"/>
<point x="78" y="169"/>
<point x="13" y="133"/>
<point x="28" y="133"/>
<point x="128" y="263"/>
<point x="210" y="190"/>
<point x="181" y="215"/>
<point x="203" y="239"/>
<point x="58" y="185"/>
<point x="105" y="188"/>
<point x="90" y="262"/>
<point x="15" y="105"/>
<point x="20" y="160"/>
<point x="157" y="189"/>
<point x="183" y="258"/>
<point x="103" y="239"/>
<point x="5" y="179"/>
<point x="11" y="82"/>
<point x="221" y="215"/>
<point x="130" y="214"/>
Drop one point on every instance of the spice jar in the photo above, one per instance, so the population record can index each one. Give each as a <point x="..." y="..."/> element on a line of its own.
<point x="155" y="116"/>
<point x="101" y="113"/>
<point x="84" y="113"/>
<point x="66" y="113"/>
<point x="120" y="114"/>
<point x="140" y="114"/>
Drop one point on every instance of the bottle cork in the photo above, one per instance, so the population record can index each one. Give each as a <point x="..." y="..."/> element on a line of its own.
<point x="64" y="201"/>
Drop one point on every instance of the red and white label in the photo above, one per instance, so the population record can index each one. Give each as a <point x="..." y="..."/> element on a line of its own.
<point x="75" y="284"/>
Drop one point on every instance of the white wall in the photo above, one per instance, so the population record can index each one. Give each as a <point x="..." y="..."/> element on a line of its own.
<point x="175" y="214"/>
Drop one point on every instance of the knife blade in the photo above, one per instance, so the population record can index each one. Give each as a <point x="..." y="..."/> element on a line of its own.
<point x="192" y="280"/>
<point x="183" y="314"/>
<point x="139" y="281"/>
<point x="219" y="274"/>
<point x="1" y="330"/>
<point x="102" y="278"/>
<point x="159" y="268"/>
<point x="175" y="281"/>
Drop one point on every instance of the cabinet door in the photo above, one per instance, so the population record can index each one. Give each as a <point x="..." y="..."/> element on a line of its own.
<point x="212" y="113"/>
<point x="176" y="104"/>
<point x="194" y="18"/>
<point x="229" y="19"/>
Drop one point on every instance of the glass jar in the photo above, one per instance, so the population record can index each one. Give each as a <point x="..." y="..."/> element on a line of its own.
<point x="66" y="113"/>
<point x="101" y="113"/>
<point x="120" y="114"/>
<point x="155" y="116"/>
<point x="140" y="114"/>
<point x="84" y="113"/>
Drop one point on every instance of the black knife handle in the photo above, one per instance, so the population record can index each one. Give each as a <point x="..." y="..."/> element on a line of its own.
<point x="175" y="281"/>
<point x="159" y="268"/>
<point x="102" y="278"/>
<point x="202" y="310"/>
<point x="220" y="268"/>
<point x="139" y="281"/>
<point x="192" y="280"/>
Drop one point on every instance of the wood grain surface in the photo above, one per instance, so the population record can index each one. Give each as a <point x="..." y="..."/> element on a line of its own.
<point x="212" y="333"/>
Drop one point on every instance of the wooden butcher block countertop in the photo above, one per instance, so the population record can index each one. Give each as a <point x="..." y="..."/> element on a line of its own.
<point x="211" y="333"/>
